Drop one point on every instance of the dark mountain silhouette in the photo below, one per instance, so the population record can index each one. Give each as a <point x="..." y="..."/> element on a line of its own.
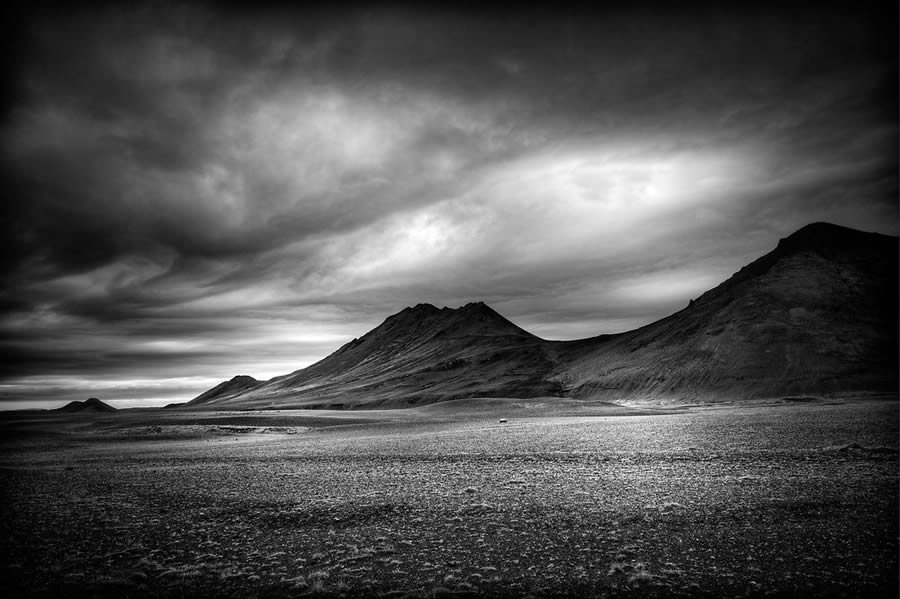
<point x="817" y="315"/>
<point x="90" y="405"/>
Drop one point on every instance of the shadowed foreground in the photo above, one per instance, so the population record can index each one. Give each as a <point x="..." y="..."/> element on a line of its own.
<point x="792" y="499"/>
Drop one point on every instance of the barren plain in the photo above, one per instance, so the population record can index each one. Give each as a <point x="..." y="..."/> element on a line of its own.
<point x="565" y="498"/>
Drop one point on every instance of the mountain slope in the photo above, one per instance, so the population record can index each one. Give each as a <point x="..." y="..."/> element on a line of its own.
<point x="421" y="354"/>
<point x="817" y="315"/>
<point x="226" y="390"/>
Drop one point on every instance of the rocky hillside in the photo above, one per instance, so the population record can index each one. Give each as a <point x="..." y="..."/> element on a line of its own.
<point x="818" y="315"/>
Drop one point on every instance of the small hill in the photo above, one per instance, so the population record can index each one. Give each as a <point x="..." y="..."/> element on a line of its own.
<point x="223" y="391"/>
<point x="90" y="405"/>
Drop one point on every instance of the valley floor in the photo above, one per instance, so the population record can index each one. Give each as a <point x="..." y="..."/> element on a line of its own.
<point x="786" y="499"/>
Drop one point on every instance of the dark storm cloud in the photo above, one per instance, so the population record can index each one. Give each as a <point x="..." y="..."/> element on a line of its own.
<point x="227" y="192"/>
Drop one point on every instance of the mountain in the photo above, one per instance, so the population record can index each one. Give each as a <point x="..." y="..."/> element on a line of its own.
<point x="421" y="354"/>
<point x="92" y="405"/>
<point x="817" y="315"/>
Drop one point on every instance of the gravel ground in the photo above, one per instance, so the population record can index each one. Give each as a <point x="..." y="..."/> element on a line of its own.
<point x="786" y="500"/>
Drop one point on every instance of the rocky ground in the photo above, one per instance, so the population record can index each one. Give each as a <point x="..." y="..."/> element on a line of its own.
<point x="788" y="499"/>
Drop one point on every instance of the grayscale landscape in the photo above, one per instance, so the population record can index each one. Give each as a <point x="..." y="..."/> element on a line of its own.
<point x="415" y="302"/>
<point x="703" y="493"/>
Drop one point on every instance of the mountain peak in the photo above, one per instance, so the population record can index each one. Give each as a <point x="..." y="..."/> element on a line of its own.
<point x="480" y="311"/>
<point x="822" y="235"/>
<point x="426" y="309"/>
<point x="421" y="310"/>
<point x="89" y="405"/>
<point x="832" y="242"/>
<point x="422" y="307"/>
<point x="427" y="315"/>
<point x="475" y="306"/>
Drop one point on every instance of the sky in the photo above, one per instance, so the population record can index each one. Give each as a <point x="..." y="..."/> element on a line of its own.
<point x="194" y="193"/>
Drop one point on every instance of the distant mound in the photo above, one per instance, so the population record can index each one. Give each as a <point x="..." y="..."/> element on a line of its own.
<point x="223" y="391"/>
<point x="90" y="405"/>
<point x="816" y="316"/>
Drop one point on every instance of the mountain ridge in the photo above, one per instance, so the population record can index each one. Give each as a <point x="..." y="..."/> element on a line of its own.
<point x="783" y="324"/>
<point x="91" y="404"/>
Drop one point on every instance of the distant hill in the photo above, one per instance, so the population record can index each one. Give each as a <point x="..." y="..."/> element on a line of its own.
<point x="224" y="391"/>
<point x="817" y="315"/>
<point x="90" y="405"/>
